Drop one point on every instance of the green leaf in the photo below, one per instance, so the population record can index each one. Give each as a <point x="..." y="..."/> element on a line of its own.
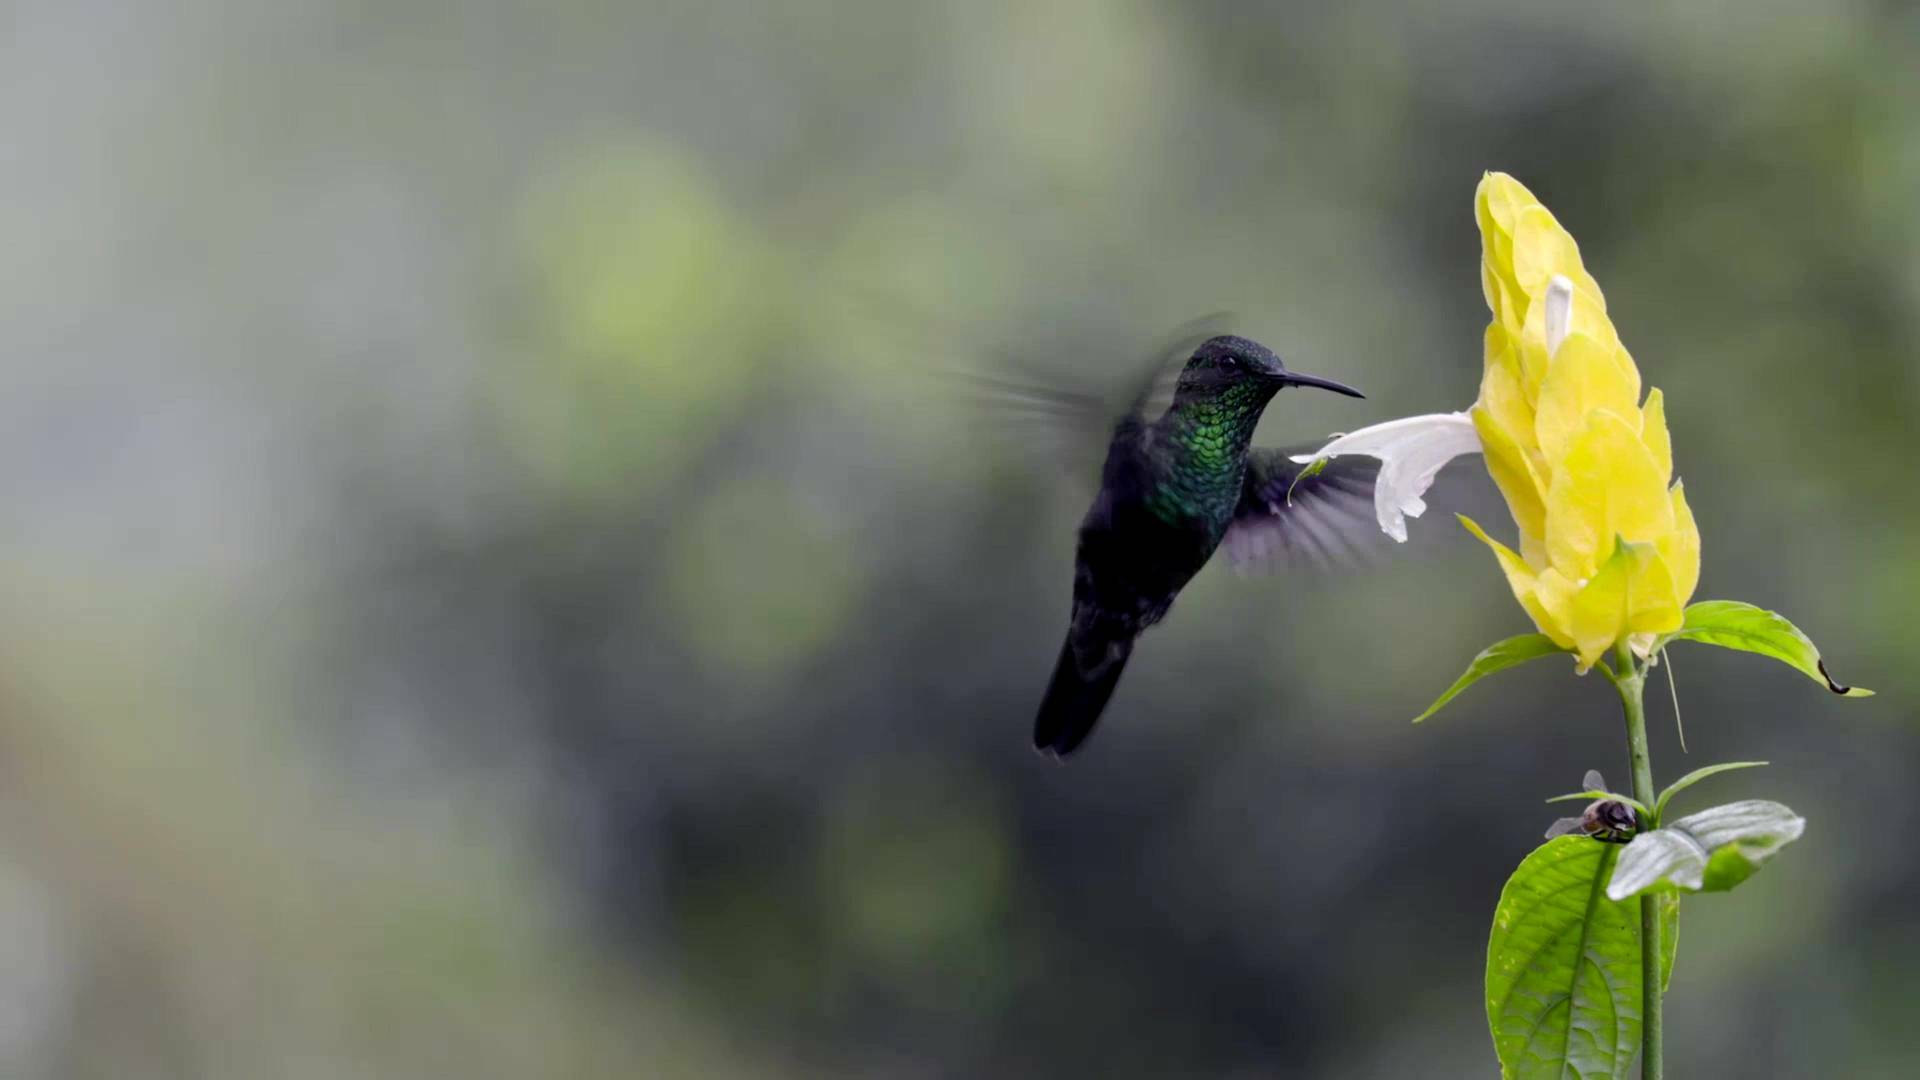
<point x="1731" y="624"/>
<point x="1496" y="657"/>
<point x="1314" y="468"/>
<point x="1729" y="867"/>
<point x="1563" y="967"/>
<point x="1694" y="777"/>
<point x="1711" y="851"/>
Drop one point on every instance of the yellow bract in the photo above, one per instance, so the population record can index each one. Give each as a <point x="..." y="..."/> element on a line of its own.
<point x="1608" y="550"/>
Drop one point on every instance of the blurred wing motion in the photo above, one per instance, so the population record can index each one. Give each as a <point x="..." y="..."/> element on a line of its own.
<point x="1039" y="418"/>
<point x="1319" y="515"/>
<point x="1566" y="826"/>
<point x="1036" y="404"/>
<point x="1594" y="781"/>
<point x="1156" y="373"/>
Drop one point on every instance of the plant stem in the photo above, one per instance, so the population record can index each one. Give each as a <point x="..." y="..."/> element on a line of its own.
<point x="1630" y="680"/>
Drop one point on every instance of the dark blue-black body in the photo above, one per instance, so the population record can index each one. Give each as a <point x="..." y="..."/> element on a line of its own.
<point x="1171" y="491"/>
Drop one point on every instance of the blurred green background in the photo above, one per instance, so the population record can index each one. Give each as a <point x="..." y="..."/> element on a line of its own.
<point x="493" y="588"/>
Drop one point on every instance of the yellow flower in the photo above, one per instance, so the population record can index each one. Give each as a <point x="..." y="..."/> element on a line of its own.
<point x="1608" y="550"/>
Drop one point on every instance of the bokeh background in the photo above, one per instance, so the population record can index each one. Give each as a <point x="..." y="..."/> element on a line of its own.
<point x="497" y="585"/>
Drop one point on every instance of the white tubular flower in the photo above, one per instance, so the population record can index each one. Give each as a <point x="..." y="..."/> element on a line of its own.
<point x="1411" y="452"/>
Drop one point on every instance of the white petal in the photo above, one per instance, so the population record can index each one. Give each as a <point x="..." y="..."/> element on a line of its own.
<point x="1559" y="312"/>
<point x="1411" y="452"/>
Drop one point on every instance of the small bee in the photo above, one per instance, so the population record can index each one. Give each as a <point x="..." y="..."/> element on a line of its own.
<point x="1609" y="821"/>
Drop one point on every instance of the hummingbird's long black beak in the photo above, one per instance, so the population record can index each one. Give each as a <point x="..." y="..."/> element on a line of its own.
<point x="1294" y="378"/>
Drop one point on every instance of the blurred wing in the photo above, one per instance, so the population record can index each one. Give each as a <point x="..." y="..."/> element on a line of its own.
<point x="1159" y="370"/>
<point x="1040" y="418"/>
<point x="1318" y="515"/>
<point x="1038" y="409"/>
<point x="1594" y="781"/>
<point x="1566" y="826"/>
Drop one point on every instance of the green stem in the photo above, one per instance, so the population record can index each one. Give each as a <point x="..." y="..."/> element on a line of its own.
<point x="1630" y="680"/>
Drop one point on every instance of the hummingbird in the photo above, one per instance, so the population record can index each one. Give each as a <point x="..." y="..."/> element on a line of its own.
<point x="1172" y="491"/>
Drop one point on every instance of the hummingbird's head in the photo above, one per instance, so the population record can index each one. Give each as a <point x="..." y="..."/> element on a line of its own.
<point x="1227" y="361"/>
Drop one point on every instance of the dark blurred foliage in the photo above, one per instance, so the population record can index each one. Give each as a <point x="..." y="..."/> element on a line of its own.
<point x="502" y="581"/>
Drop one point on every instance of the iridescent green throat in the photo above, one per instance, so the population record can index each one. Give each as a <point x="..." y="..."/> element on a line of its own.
<point x="1200" y="452"/>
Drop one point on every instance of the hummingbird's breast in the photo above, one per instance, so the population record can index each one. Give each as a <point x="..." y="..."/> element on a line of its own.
<point x="1197" y="494"/>
<point x="1199" y="462"/>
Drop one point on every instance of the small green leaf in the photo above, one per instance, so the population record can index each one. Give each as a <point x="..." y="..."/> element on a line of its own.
<point x="1711" y="851"/>
<point x="1590" y="796"/>
<point x="1731" y="624"/>
<point x="1496" y="657"/>
<point x="1563" y="967"/>
<point x="1314" y="468"/>
<point x="1694" y="777"/>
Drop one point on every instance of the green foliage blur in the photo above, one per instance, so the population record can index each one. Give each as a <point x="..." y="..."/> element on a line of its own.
<point x="501" y="581"/>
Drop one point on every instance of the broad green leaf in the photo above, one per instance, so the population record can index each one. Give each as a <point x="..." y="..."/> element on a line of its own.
<point x="1731" y="624"/>
<point x="1711" y="851"/>
<point x="1563" y="967"/>
<point x="1496" y="657"/>
<point x="1694" y="777"/>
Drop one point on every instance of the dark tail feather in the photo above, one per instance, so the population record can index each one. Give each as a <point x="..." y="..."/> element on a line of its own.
<point x="1074" y="700"/>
